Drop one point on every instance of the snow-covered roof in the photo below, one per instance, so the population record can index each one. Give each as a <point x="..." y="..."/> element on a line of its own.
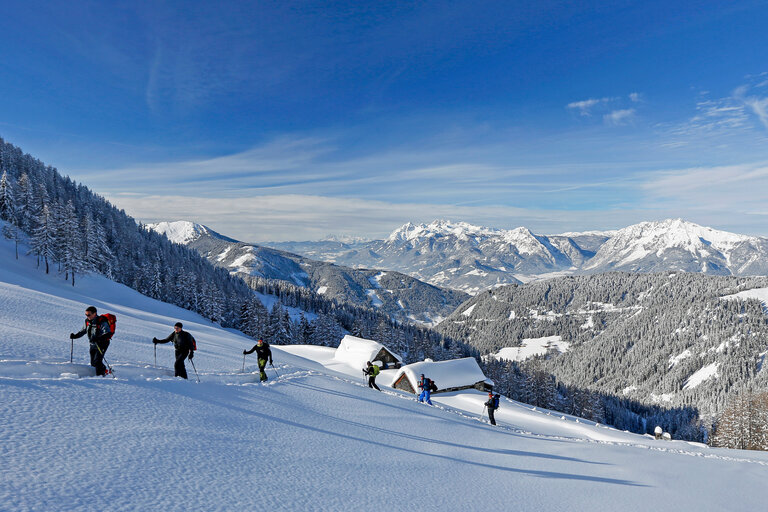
<point x="455" y="373"/>
<point x="357" y="351"/>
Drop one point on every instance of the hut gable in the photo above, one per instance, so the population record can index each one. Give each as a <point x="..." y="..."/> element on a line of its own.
<point x="357" y="351"/>
<point x="453" y="375"/>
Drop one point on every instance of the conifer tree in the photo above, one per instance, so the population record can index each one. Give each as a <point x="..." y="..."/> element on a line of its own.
<point x="43" y="238"/>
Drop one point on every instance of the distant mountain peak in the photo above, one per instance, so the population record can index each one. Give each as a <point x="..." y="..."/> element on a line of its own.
<point x="441" y="227"/>
<point x="185" y="232"/>
<point x="676" y="232"/>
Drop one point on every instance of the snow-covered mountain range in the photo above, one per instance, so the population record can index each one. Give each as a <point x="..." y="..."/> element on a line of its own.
<point x="400" y="296"/>
<point x="473" y="258"/>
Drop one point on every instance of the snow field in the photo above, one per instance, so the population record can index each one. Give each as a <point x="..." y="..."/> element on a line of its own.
<point x="316" y="438"/>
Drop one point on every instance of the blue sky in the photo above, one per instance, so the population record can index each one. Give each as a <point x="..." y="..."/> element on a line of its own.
<point x="295" y="120"/>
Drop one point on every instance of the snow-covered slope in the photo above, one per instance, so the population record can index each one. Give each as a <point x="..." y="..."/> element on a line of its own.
<point x="312" y="438"/>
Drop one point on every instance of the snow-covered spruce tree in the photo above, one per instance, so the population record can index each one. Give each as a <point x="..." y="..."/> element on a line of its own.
<point x="302" y="331"/>
<point x="43" y="241"/>
<point x="9" y="211"/>
<point x="25" y="203"/>
<point x="71" y="243"/>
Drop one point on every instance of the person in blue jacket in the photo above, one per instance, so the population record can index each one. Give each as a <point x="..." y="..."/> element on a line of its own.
<point x="425" y="384"/>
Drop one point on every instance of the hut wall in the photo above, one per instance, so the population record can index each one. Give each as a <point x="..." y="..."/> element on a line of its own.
<point x="404" y="384"/>
<point x="387" y="358"/>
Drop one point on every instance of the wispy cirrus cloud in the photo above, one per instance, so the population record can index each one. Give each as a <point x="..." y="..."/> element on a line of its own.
<point x="742" y="111"/>
<point x="728" y="197"/>
<point x="615" y="110"/>
<point x="584" y="107"/>
<point x="620" y="117"/>
<point x="757" y="104"/>
<point x="733" y="194"/>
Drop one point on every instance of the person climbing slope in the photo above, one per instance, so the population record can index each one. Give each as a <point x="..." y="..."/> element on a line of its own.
<point x="492" y="404"/>
<point x="185" y="346"/>
<point x="99" y="333"/>
<point x="263" y="353"/>
<point x="372" y="370"/>
<point x="426" y="389"/>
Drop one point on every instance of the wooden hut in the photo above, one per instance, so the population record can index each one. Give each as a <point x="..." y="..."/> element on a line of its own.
<point x="453" y="375"/>
<point x="357" y="351"/>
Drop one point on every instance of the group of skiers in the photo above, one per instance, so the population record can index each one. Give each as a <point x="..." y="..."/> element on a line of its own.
<point x="101" y="328"/>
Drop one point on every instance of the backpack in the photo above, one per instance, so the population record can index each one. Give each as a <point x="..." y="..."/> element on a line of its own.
<point x="112" y="321"/>
<point x="432" y="386"/>
<point x="496" y="401"/>
<point x="194" y="342"/>
<point x="375" y="370"/>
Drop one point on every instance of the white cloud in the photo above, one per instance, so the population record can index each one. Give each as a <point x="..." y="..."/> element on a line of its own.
<point x="734" y="190"/>
<point x="619" y="117"/>
<point x="733" y="114"/>
<point x="725" y="197"/>
<point x="608" y="106"/>
<point x="759" y="107"/>
<point x="585" y="106"/>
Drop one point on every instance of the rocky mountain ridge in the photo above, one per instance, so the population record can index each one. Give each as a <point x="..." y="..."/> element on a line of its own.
<point x="473" y="258"/>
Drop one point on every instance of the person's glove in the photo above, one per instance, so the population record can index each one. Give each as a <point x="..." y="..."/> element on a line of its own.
<point x="270" y="363"/>
<point x="154" y="340"/>
<point x="191" y="354"/>
<point x="71" y="335"/>
<point x="244" y="352"/>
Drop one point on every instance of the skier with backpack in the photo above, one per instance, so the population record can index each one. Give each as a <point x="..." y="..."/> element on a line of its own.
<point x="492" y="404"/>
<point x="372" y="370"/>
<point x="184" y="345"/>
<point x="263" y="353"/>
<point x="99" y="329"/>
<point x="427" y="386"/>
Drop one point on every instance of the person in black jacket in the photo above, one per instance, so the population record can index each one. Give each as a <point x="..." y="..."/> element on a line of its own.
<point x="371" y="370"/>
<point x="99" y="334"/>
<point x="263" y="353"/>
<point x="185" y="346"/>
<point x="492" y="404"/>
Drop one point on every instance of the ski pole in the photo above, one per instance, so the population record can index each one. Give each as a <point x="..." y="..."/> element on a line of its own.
<point x="155" y="344"/>
<point x="111" y="371"/>
<point x="193" y="367"/>
<point x="484" y="406"/>
<point x="243" y="363"/>
<point x="71" y="349"/>
<point x="273" y="367"/>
